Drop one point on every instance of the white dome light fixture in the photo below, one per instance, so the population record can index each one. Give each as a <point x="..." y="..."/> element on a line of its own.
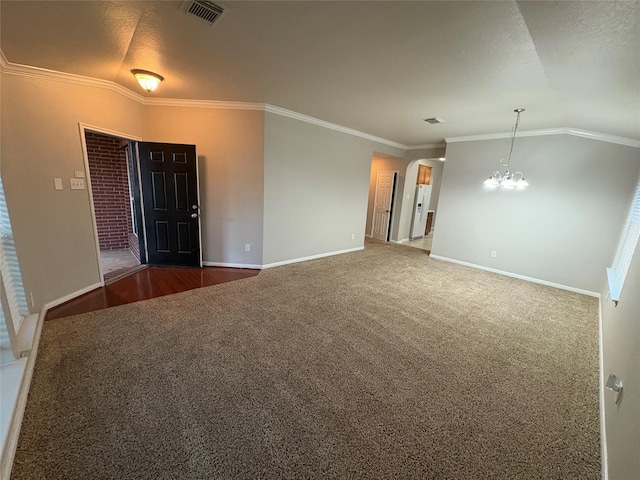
<point x="147" y="80"/>
<point x="508" y="179"/>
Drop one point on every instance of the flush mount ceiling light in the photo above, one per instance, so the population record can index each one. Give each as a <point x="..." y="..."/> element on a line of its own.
<point x="508" y="179"/>
<point x="147" y="80"/>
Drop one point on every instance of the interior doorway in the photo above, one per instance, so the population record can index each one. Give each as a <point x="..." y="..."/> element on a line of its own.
<point x="423" y="174"/>
<point x="145" y="202"/>
<point x="112" y="175"/>
<point x="386" y="182"/>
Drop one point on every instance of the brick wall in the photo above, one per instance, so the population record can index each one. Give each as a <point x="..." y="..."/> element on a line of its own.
<point x="134" y="245"/>
<point x="110" y="185"/>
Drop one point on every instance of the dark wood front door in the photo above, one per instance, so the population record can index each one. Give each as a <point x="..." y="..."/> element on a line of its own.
<point x="168" y="176"/>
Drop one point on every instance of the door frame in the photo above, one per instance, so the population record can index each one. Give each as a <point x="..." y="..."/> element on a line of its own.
<point x="83" y="141"/>
<point x="392" y="202"/>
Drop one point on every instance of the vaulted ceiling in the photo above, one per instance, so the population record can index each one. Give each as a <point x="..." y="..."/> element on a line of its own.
<point x="378" y="67"/>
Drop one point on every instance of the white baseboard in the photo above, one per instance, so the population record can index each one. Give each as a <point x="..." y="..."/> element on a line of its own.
<point x="312" y="257"/>
<point x="71" y="296"/>
<point x="368" y="236"/>
<point x="521" y="277"/>
<point x="403" y="240"/>
<point x="603" y="430"/>
<point x="15" y="422"/>
<point x="232" y="265"/>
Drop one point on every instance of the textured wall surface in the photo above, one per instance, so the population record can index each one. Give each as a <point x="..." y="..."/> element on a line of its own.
<point x="110" y="186"/>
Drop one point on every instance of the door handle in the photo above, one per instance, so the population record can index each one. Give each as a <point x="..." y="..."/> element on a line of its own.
<point x="195" y="207"/>
<point x="614" y="384"/>
<point x="194" y="215"/>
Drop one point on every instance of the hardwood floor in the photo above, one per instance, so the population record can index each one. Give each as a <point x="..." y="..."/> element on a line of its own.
<point x="149" y="283"/>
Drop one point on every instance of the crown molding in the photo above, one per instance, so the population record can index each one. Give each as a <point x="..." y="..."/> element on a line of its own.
<point x="177" y="102"/>
<point x="332" y="126"/>
<point x="603" y="137"/>
<point x="427" y="146"/>
<point x="37" y="72"/>
<point x="496" y="136"/>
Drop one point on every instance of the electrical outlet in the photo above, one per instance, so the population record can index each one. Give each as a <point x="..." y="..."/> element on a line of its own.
<point x="493" y="254"/>
<point x="31" y="299"/>
<point x="353" y="236"/>
<point x="247" y="247"/>
<point x="76" y="183"/>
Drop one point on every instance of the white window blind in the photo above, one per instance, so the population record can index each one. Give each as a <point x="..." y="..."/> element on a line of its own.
<point x="8" y="353"/>
<point x="10" y="268"/>
<point x="628" y="241"/>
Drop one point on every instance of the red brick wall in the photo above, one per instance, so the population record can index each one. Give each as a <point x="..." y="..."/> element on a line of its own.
<point x="110" y="186"/>
<point x="134" y="245"/>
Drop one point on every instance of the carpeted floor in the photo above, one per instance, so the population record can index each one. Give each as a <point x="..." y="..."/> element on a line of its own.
<point x="375" y="364"/>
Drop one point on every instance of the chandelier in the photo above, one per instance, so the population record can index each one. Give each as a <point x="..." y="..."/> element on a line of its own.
<point x="508" y="179"/>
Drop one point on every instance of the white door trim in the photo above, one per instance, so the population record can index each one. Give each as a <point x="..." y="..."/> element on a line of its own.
<point x="83" y="140"/>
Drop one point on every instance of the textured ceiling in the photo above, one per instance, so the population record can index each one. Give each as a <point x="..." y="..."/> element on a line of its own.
<point x="378" y="67"/>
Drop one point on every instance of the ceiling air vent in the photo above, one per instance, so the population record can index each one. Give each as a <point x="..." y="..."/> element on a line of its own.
<point x="435" y="120"/>
<point x="205" y="10"/>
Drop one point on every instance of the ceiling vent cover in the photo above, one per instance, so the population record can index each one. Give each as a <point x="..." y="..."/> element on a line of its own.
<point x="205" y="10"/>
<point x="435" y="120"/>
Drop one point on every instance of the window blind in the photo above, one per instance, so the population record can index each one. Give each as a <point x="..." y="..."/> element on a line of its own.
<point x="10" y="268"/>
<point x="628" y="241"/>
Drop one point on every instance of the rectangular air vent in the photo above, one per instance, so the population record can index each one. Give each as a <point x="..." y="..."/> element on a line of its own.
<point x="205" y="10"/>
<point x="435" y="120"/>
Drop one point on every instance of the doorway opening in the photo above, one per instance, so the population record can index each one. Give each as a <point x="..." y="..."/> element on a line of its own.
<point x="385" y="196"/>
<point x="117" y="211"/>
<point x="426" y="177"/>
<point x="145" y="202"/>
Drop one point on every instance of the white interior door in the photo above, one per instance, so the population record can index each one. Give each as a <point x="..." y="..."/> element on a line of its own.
<point x="385" y="182"/>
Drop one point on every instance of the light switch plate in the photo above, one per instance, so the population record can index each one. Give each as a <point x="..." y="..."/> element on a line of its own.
<point x="77" y="183"/>
<point x="57" y="183"/>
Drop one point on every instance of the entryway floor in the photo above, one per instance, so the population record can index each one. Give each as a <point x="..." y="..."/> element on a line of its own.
<point x="116" y="263"/>
<point x="423" y="243"/>
<point x="149" y="283"/>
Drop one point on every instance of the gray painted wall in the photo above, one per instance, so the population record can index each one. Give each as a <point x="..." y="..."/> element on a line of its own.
<point x="316" y="185"/>
<point x="230" y="147"/>
<point x="41" y="140"/>
<point x="562" y="229"/>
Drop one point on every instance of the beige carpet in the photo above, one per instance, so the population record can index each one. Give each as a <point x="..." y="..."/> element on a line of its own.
<point x="376" y="364"/>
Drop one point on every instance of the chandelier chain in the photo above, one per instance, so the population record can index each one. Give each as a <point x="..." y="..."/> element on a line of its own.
<point x="508" y="179"/>
<point x="513" y="138"/>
